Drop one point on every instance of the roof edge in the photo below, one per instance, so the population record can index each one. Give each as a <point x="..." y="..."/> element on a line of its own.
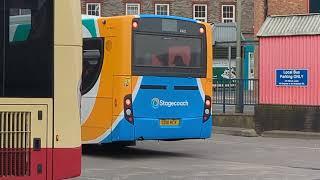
<point x="290" y="25"/>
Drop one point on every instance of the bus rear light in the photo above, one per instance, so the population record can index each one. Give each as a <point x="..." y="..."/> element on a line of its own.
<point x="207" y="109"/>
<point x="135" y="25"/>
<point x="208" y="102"/>
<point x="130" y="119"/>
<point x="128" y="102"/>
<point x="128" y="111"/>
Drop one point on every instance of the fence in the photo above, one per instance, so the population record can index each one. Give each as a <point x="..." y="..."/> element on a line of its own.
<point x="225" y="92"/>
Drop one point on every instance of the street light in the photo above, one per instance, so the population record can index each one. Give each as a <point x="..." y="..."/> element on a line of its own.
<point x="239" y="104"/>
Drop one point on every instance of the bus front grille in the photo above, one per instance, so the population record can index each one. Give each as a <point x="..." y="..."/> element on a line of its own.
<point x="15" y="140"/>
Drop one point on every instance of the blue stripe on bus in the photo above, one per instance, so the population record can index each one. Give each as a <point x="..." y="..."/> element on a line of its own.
<point x="167" y="17"/>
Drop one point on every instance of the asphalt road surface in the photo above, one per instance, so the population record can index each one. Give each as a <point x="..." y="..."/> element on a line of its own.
<point x="222" y="157"/>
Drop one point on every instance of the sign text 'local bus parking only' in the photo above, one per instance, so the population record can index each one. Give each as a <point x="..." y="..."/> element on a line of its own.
<point x="292" y="77"/>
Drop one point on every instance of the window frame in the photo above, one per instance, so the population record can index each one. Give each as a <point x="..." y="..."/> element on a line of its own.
<point x="200" y="72"/>
<point x="3" y="37"/>
<point x="311" y="5"/>
<point x="162" y="4"/>
<point x="87" y="8"/>
<point x="200" y="18"/>
<point x="27" y="74"/>
<point x="233" y="12"/>
<point x="90" y="85"/>
<point x="133" y="4"/>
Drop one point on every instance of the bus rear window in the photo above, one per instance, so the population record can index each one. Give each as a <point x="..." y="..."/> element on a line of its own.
<point x="168" y="55"/>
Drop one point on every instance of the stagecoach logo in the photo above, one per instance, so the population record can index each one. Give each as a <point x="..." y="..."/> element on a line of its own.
<point x="156" y="103"/>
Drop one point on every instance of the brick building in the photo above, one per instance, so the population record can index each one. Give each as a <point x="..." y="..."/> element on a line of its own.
<point x="263" y="8"/>
<point x="283" y="117"/>
<point x="212" y="11"/>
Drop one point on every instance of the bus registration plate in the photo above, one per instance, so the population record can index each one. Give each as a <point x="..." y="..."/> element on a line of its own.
<point x="169" y="122"/>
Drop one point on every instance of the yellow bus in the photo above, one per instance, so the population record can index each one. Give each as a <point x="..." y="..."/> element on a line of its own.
<point x="41" y="64"/>
<point x="146" y="77"/>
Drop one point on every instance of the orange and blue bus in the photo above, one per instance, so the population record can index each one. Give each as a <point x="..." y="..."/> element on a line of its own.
<point x="40" y="77"/>
<point x="146" y="77"/>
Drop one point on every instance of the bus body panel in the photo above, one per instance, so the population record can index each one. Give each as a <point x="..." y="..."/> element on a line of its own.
<point x="180" y="97"/>
<point x="67" y="23"/>
<point x="17" y="112"/>
<point x="117" y="78"/>
<point x="153" y="105"/>
<point x="67" y="142"/>
<point x="67" y="79"/>
<point x="121" y="130"/>
<point x="208" y="82"/>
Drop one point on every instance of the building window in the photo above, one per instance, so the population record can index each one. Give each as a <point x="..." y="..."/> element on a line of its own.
<point x="18" y="12"/>
<point x="94" y="9"/>
<point x="162" y="9"/>
<point x="132" y="9"/>
<point x="200" y="12"/>
<point x="314" y="6"/>
<point x="228" y="13"/>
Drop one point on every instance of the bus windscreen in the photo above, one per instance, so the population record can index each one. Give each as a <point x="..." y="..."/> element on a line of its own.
<point x="168" y="55"/>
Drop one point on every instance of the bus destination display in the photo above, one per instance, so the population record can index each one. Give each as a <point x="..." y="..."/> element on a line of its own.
<point x="169" y="25"/>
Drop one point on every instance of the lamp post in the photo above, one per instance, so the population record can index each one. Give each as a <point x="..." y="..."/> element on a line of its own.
<point x="239" y="104"/>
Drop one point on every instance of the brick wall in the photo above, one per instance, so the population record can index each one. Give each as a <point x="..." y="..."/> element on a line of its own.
<point x="277" y="7"/>
<point x="274" y="7"/>
<point x="182" y="8"/>
<point x="259" y="14"/>
<point x="285" y="7"/>
<point x="247" y="17"/>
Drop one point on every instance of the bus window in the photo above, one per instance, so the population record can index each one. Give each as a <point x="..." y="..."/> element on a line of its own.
<point x="180" y="56"/>
<point x="93" y="51"/>
<point x="2" y="43"/>
<point x="28" y="59"/>
<point x="170" y="56"/>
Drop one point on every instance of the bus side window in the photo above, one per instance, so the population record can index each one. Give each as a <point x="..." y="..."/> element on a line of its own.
<point x="93" y="53"/>
<point x="28" y="56"/>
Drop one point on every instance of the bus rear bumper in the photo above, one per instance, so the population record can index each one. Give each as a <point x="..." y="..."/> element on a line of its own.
<point x="188" y="128"/>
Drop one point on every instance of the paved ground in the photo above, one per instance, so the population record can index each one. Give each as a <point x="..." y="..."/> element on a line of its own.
<point x="224" y="157"/>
